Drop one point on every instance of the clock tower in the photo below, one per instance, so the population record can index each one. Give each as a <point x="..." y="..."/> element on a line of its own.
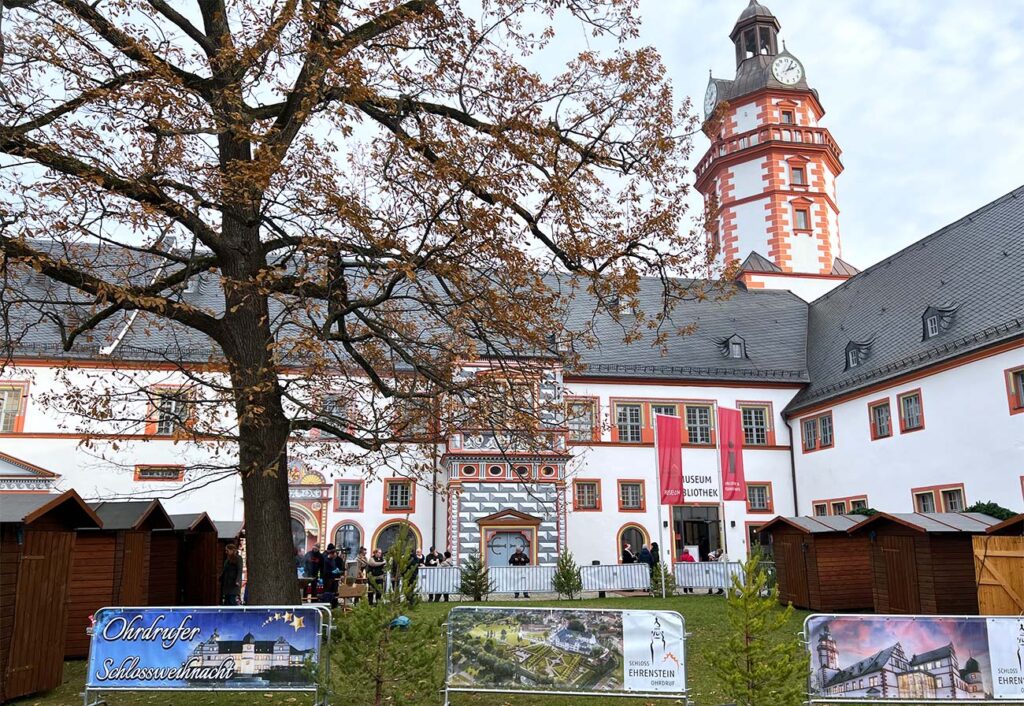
<point x="771" y="169"/>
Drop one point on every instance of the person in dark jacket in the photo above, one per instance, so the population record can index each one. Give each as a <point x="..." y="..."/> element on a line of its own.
<point x="375" y="569"/>
<point x="628" y="557"/>
<point x="231" y="576"/>
<point x="645" y="556"/>
<point x="332" y="569"/>
<point x="412" y="575"/>
<point x="519" y="559"/>
<point x="656" y="553"/>
<point x="433" y="559"/>
<point x="313" y="563"/>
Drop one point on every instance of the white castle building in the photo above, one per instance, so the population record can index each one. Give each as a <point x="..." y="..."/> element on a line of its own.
<point x="900" y="387"/>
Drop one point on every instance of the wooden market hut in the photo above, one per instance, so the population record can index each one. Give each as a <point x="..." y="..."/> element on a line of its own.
<point x="819" y="566"/>
<point x="923" y="563"/>
<point x="37" y="538"/>
<point x="999" y="568"/>
<point x="111" y="565"/>
<point x="185" y="566"/>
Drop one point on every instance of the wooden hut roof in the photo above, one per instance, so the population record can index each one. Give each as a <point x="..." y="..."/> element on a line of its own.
<point x="228" y="529"/>
<point x="68" y="508"/>
<point x="193" y="521"/>
<point x="1012" y="526"/>
<point x="932" y="522"/>
<point x="133" y="515"/>
<point x="813" y="525"/>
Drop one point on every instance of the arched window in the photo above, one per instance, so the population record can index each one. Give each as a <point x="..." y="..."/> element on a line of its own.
<point x="389" y="534"/>
<point x="299" y="535"/>
<point x="635" y="536"/>
<point x="347" y="538"/>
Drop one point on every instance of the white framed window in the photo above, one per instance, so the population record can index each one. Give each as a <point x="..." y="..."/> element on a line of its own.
<point x="736" y="349"/>
<point x="629" y="419"/>
<point x="858" y="504"/>
<point x="820" y="509"/>
<point x="172" y="413"/>
<point x="668" y="410"/>
<point x="810" y="434"/>
<point x="911" y="413"/>
<point x="587" y="495"/>
<point x="758" y="497"/>
<point x="698" y="424"/>
<point x="825" y="430"/>
<point x="11" y="397"/>
<point x="755" y="425"/>
<point x="852" y="358"/>
<point x="348" y="495"/>
<point x="953" y="500"/>
<point x="839" y="507"/>
<point x="932" y="326"/>
<point x="631" y="496"/>
<point x="399" y="495"/>
<point x="924" y="502"/>
<point x="881" y="420"/>
<point x="582" y="420"/>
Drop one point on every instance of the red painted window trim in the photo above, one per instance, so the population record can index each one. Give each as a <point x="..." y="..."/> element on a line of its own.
<point x="139" y="466"/>
<point x="1014" y="396"/>
<point x="807" y="212"/>
<point x="936" y="493"/>
<point x="412" y="497"/>
<point x="875" y="436"/>
<point x="647" y="418"/>
<point x="757" y="524"/>
<point x="817" y="438"/>
<point x="417" y="535"/>
<point x="152" y="418"/>
<point x="19" y="421"/>
<point x="771" y="498"/>
<point x="848" y="500"/>
<point x="618" y="539"/>
<point x="362" y="494"/>
<point x="899" y="406"/>
<point x="346" y="521"/>
<point x="643" y="494"/>
<point x="740" y="404"/>
<point x="575" y="504"/>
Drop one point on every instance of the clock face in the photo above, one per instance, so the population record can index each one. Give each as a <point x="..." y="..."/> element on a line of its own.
<point x="710" y="99"/>
<point x="787" y="70"/>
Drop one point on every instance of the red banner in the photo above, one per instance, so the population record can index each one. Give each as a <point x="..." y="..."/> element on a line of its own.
<point x="669" y="431"/>
<point x="730" y="446"/>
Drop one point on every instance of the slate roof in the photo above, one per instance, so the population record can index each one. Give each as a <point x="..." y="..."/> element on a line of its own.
<point x="944" y="652"/>
<point x="816" y="525"/>
<point x="868" y="665"/>
<point x="755" y="73"/>
<point x="756" y="262"/>
<point x="975" y="264"/>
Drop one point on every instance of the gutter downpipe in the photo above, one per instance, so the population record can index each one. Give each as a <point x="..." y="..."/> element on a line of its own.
<point x="792" y="467"/>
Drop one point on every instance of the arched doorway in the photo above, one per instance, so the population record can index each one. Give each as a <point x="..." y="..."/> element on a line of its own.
<point x="348" y="538"/>
<point x="299" y="535"/>
<point x="634" y="535"/>
<point x="388" y="534"/>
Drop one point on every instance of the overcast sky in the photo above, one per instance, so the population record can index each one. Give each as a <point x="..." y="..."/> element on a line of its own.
<point x="925" y="98"/>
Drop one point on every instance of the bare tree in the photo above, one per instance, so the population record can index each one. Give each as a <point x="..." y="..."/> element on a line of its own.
<point x="373" y="198"/>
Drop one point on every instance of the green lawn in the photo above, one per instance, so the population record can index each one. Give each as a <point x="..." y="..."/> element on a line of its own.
<point x="705" y="620"/>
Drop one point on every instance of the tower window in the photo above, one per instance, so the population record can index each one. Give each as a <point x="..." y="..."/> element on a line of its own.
<point x="787" y="117"/>
<point x="803" y="219"/>
<point x="798" y="176"/>
<point x="749" y="44"/>
<point x="766" y="46"/>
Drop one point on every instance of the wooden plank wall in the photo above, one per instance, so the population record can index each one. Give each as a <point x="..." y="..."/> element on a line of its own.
<point x="36" y="660"/>
<point x="841" y="573"/>
<point x="10" y="558"/>
<point x="999" y="571"/>
<point x="201" y="569"/>
<point x="131" y="586"/>
<point x="164" y="586"/>
<point x="790" y="568"/>
<point x="92" y="586"/>
<point x="956" y="591"/>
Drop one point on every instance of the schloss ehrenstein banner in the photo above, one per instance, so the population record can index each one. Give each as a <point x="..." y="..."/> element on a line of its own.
<point x="263" y="649"/>
<point x="566" y="650"/>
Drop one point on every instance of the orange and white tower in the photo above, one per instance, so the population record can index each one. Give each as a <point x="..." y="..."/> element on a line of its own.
<point x="771" y="168"/>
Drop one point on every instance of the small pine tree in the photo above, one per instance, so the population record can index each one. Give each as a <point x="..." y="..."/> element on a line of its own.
<point x="394" y="664"/>
<point x="568" y="579"/>
<point x="475" y="580"/>
<point x="762" y="660"/>
<point x="992" y="510"/>
<point x="662" y="574"/>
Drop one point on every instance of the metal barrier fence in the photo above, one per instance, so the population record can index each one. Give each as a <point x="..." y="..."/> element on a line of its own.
<point x="603" y="577"/>
<point x="707" y="574"/>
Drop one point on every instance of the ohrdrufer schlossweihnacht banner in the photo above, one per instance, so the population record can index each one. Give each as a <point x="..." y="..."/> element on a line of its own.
<point x="876" y="658"/>
<point x="587" y="652"/>
<point x="207" y="648"/>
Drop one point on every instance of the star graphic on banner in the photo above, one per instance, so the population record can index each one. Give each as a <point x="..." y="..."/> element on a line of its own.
<point x="287" y="617"/>
<point x="298" y="623"/>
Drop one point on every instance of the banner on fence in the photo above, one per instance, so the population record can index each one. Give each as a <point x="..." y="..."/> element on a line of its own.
<point x="209" y="648"/>
<point x="875" y="658"/>
<point x="585" y="652"/>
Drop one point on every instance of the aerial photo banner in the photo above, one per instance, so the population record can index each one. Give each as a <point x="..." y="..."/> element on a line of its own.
<point x="876" y="658"/>
<point x="589" y="652"/>
<point x="209" y="648"/>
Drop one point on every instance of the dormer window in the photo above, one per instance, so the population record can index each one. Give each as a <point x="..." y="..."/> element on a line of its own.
<point x="733" y="347"/>
<point x="857" y="352"/>
<point x="937" y="319"/>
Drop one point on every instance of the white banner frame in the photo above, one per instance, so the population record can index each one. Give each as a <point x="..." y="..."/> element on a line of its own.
<point x="680" y="696"/>
<point x="814" y="698"/>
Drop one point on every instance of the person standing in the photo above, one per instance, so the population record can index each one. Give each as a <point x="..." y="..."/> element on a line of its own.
<point x="313" y="563"/>
<point x="447" y="561"/>
<point x="375" y="568"/>
<point x="231" y="576"/>
<point x="430" y="560"/>
<point x="332" y="569"/>
<point x="412" y="575"/>
<point x="519" y="559"/>
<point x="628" y="557"/>
<point x="687" y="557"/>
